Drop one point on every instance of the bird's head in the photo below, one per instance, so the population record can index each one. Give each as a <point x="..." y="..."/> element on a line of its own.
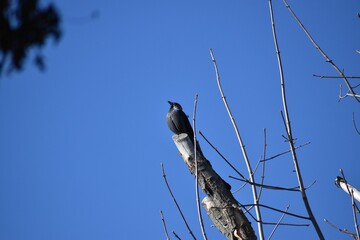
<point x="338" y="180"/>
<point x="175" y="105"/>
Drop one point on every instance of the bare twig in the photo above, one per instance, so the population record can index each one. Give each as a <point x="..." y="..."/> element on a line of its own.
<point x="310" y="185"/>
<point x="239" y="188"/>
<point x="277" y="225"/>
<point x="293" y="189"/>
<point x="274" y="223"/>
<point x="339" y="229"/>
<point x="355" y="216"/>
<point x="196" y="173"/>
<point x="356" y="129"/>
<point x="278" y="210"/>
<point x="222" y="156"/>
<point x="164" y="225"/>
<point x="242" y="146"/>
<point x="340" y="72"/>
<point x="341" y="97"/>
<point x="289" y="130"/>
<point x="323" y="76"/>
<point x="289" y="224"/>
<point x="176" y="235"/>
<point x="176" y="203"/>
<point x="288" y="151"/>
<point x="263" y="165"/>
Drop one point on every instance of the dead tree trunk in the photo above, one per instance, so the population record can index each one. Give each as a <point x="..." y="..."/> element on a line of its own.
<point x="221" y="206"/>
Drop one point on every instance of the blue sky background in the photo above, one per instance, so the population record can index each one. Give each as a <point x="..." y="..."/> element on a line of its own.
<point x="81" y="144"/>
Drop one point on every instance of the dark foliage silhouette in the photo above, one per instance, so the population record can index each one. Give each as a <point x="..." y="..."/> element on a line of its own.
<point x="25" y="25"/>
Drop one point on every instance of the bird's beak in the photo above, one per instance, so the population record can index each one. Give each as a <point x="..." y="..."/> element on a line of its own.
<point x="171" y="103"/>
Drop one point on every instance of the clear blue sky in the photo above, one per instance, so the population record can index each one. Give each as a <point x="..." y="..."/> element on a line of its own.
<point x="81" y="144"/>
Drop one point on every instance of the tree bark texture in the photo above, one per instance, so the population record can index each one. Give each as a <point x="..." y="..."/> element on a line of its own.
<point x="220" y="205"/>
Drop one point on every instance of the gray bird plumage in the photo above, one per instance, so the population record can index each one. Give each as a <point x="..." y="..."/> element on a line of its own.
<point x="178" y="122"/>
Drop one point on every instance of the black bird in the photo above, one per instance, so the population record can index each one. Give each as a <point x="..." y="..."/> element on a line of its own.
<point x="178" y="121"/>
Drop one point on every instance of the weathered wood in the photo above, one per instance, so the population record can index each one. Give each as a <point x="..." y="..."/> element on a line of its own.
<point x="221" y="206"/>
<point x="346" y="187"/>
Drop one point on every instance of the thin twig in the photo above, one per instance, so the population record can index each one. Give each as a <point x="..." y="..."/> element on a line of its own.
<point x="289" y="224"/>
<point x="356" y="129"/>
<point x="278" y="210"/>
<point x="196" y="173"/>
<point x="274" y="223"/>
<point x="263" y="166"/>
<point x="339" y="229"/>
<point x="341" y="73"/>
<point x="288" y="151"/>
<point x="277" y="225"/>
<point x="293" y="189"/>
<point x="176" y="235"/>
<point x="242" y="146"/>
<point x="323" y="76"/>
<point x="353" y="204"/>
<point x="289" y="130"/>
<point x="222" y="156"/>
<point x="176" y="203"/>
<point x="239" y="188"/>
<point x="356" y="86"/>
<point x="164" y="225"/>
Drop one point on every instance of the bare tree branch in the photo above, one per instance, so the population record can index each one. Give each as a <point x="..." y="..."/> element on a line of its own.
<point x="277" y="225"/>
<point x="176" y="235"/>
<point x="220" y="205"/>
<point x="288" y="151"/>
<point x="278" y="210"/>
<point x="341" y="73"/>
<point x="274" y="223"/>
<point x="164" y="225"/>
<point x="289" y="130"/>
<point x="222" y="156"/>
<point x="201" y="222"/>
<point x="323" y="76"/>
<point x="340" y="230"/>
<point x="263" y="166"/>
<point x="242" y="146"/>
<point x="176" y="203"/>
<point x="356" y="129"/>
<point x="293" y="189"/>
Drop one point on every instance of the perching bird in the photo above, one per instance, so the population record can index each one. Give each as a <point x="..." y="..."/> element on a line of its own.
<point x="178" y="122"/>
